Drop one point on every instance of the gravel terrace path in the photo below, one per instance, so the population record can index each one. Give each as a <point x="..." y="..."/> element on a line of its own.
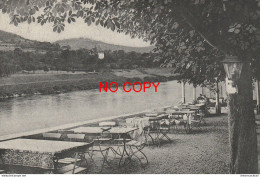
<point x="205" y="151"/>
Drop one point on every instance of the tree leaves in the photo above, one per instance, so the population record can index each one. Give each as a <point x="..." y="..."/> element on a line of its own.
<point x="15" y="20"/>
<point x="175" y="25"/>
<point x="88" y="20"/>
<point x="250" y="28"/>
<point x="235" y="28"/>
<point x="58" y="27"/>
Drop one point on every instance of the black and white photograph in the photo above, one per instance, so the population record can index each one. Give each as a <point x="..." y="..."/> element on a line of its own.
<point x="129" y="87"/>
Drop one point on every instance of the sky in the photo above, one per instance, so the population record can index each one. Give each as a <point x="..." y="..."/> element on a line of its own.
<point x="35" y="31"/>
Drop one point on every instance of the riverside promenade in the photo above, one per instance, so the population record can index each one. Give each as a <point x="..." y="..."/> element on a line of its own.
<point x="204" y="151"/>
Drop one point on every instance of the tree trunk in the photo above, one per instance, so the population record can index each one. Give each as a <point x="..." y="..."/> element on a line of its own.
<point x="194" y="94"/>
<point x="221" y="91"/>
<point x="257" y="96"/>
<point x="242" y="129"/>
<point x="217" y="106"/>
<point x="183" y="92"/>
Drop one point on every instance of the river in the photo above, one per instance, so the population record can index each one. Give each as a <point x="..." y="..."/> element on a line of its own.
<point x="41" y="111"/>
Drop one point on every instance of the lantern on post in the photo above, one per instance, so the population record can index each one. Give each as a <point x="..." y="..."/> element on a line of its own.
<point x="233" y="68"/>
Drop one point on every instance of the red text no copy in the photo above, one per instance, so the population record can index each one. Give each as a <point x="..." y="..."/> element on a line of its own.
<point x="128" y="87"/>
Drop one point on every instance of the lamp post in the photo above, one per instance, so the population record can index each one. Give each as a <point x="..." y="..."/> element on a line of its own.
<point x="241" y="118"/>
<point x="233" y="67"/>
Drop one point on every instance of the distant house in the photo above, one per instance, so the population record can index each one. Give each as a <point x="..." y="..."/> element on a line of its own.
<point x="100" y="52"/>
<point x="101" y="55"/>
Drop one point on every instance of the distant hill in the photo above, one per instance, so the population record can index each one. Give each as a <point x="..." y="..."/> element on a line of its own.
<point x="10" y="37"/>
<point x="18" y="41"/>
<point x="79" y="43"/>
<point x="74" y="43"/>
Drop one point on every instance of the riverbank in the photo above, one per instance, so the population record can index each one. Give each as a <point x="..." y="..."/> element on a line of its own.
<point x="53" y="83"/>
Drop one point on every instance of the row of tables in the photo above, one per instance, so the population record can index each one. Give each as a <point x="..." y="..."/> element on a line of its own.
<point x="186" y="113"/>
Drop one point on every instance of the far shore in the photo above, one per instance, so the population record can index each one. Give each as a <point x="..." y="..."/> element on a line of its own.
<point x="18" y="85"/>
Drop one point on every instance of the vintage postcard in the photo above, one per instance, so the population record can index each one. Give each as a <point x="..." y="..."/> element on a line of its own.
<point x="129" y="87"/>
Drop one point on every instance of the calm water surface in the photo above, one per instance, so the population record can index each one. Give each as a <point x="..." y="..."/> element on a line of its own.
<point x="40" y="111"/>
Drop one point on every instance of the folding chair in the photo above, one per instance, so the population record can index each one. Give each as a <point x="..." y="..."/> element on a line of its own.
<point x="72" y="168"/>
<point x="165" y="128"/>
<point x="159" y="128"/>
<point x="153" y="129"/>
<point x="196" y="121"/>
<point x="116" y="140"/>
<point x="101" y="145"/>
<point x="76" y="138"/>
<point x="135" y="148"/>
<point x="201" y="115"/>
